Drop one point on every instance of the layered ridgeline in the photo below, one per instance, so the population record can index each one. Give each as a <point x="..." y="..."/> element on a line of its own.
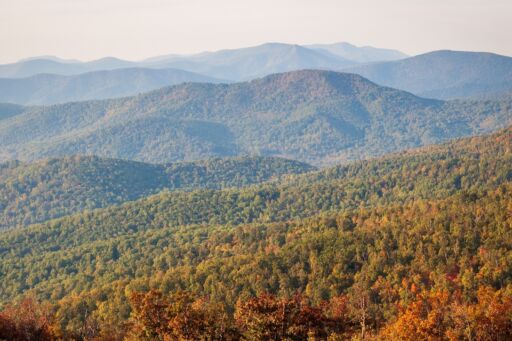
<point x="418" y="216"/>
<point x="319" y="117"/>
<point x="445" y="74"/>
<point x="54" y="65"/>
<point x="36" y="192"/>
<point x="51" y="89"/>
<point x="50" y="80"/>
<point x="252" y="62"/>
<point x="437" y="74"/>
<point x="234" y="64"/>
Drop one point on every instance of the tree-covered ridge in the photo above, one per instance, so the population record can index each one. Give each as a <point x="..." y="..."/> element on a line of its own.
<point x="316" y="116"/>
<point x="219" y="173"/>
<point x="56" y="250"/>
<point x="36" y="192"/>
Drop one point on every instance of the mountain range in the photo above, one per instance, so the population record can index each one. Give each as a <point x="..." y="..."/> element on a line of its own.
<point x="319" y="117"/>
<point x="51" y="80"/>
<point x="437" y="74"/>
<point x="166" y="199"/>
<point x="242" y="63"/>
<point x="266" y="193"/>
<point x="252" y="62"/>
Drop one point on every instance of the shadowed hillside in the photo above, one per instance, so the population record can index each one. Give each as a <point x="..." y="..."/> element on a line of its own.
<point x="31" y="193"/>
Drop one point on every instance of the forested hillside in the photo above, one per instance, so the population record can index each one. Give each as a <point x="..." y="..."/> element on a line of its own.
<point x="36" y="192"/>
<point x="319" y="117"/>
<point x="427" y="228"/>
<point x="233" y="171"/>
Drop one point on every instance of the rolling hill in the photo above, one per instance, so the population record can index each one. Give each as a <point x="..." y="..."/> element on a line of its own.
<point x="48" y="189"/>
<point x="444" y="74"/>
<point x="416" y="218"/>
<point x="318" y="117"/>
<point x="51" y="88"/>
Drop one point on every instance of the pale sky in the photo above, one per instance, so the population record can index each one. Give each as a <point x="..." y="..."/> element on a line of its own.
<point x="136" y="29"/>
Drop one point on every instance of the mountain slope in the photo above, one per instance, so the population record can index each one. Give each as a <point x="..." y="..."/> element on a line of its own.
<point x="249" y="63"/>
<point x="363" y="54"/>
<point x="433" y="193"/>
<point x="37" y="192"/>
<point x="444" y="74"/>
<point x="318" y="117"/>
<point x="51" y="89"/>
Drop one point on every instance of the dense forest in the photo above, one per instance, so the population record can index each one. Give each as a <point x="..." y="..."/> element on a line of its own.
<point x="410" y="246"/>
<point x="36" y="192"/>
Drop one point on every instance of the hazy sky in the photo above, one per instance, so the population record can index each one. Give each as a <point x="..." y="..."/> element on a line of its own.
<point x="135" y="29"/>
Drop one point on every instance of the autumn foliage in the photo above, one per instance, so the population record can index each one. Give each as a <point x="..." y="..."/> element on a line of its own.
<point x="437" y="315"/>
<point x="26" y="320"/>
<point x="431" y="315"/>
<point x="269" y="318"/>
<point x="177" y="317"/>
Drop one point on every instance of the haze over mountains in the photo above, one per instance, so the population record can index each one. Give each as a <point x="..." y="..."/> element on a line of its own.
<point x="51" y="88"/>
<point x="321" y="117"/>
<point x="363" y="54"/>
<point x="445" y="74"/>
<point x="178" y="208"/>
<point x="43" y="82"/>
<point x="252" y="62"/>
<point x="438" y="74"/>
<point x="262" y="59"/>
<point x="33" y="66"/>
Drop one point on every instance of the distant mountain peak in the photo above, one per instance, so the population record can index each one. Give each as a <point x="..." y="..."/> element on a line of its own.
<point x="445" y="74"/>
<point x="362" y="54"/>
<point x="49" y="57"/>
